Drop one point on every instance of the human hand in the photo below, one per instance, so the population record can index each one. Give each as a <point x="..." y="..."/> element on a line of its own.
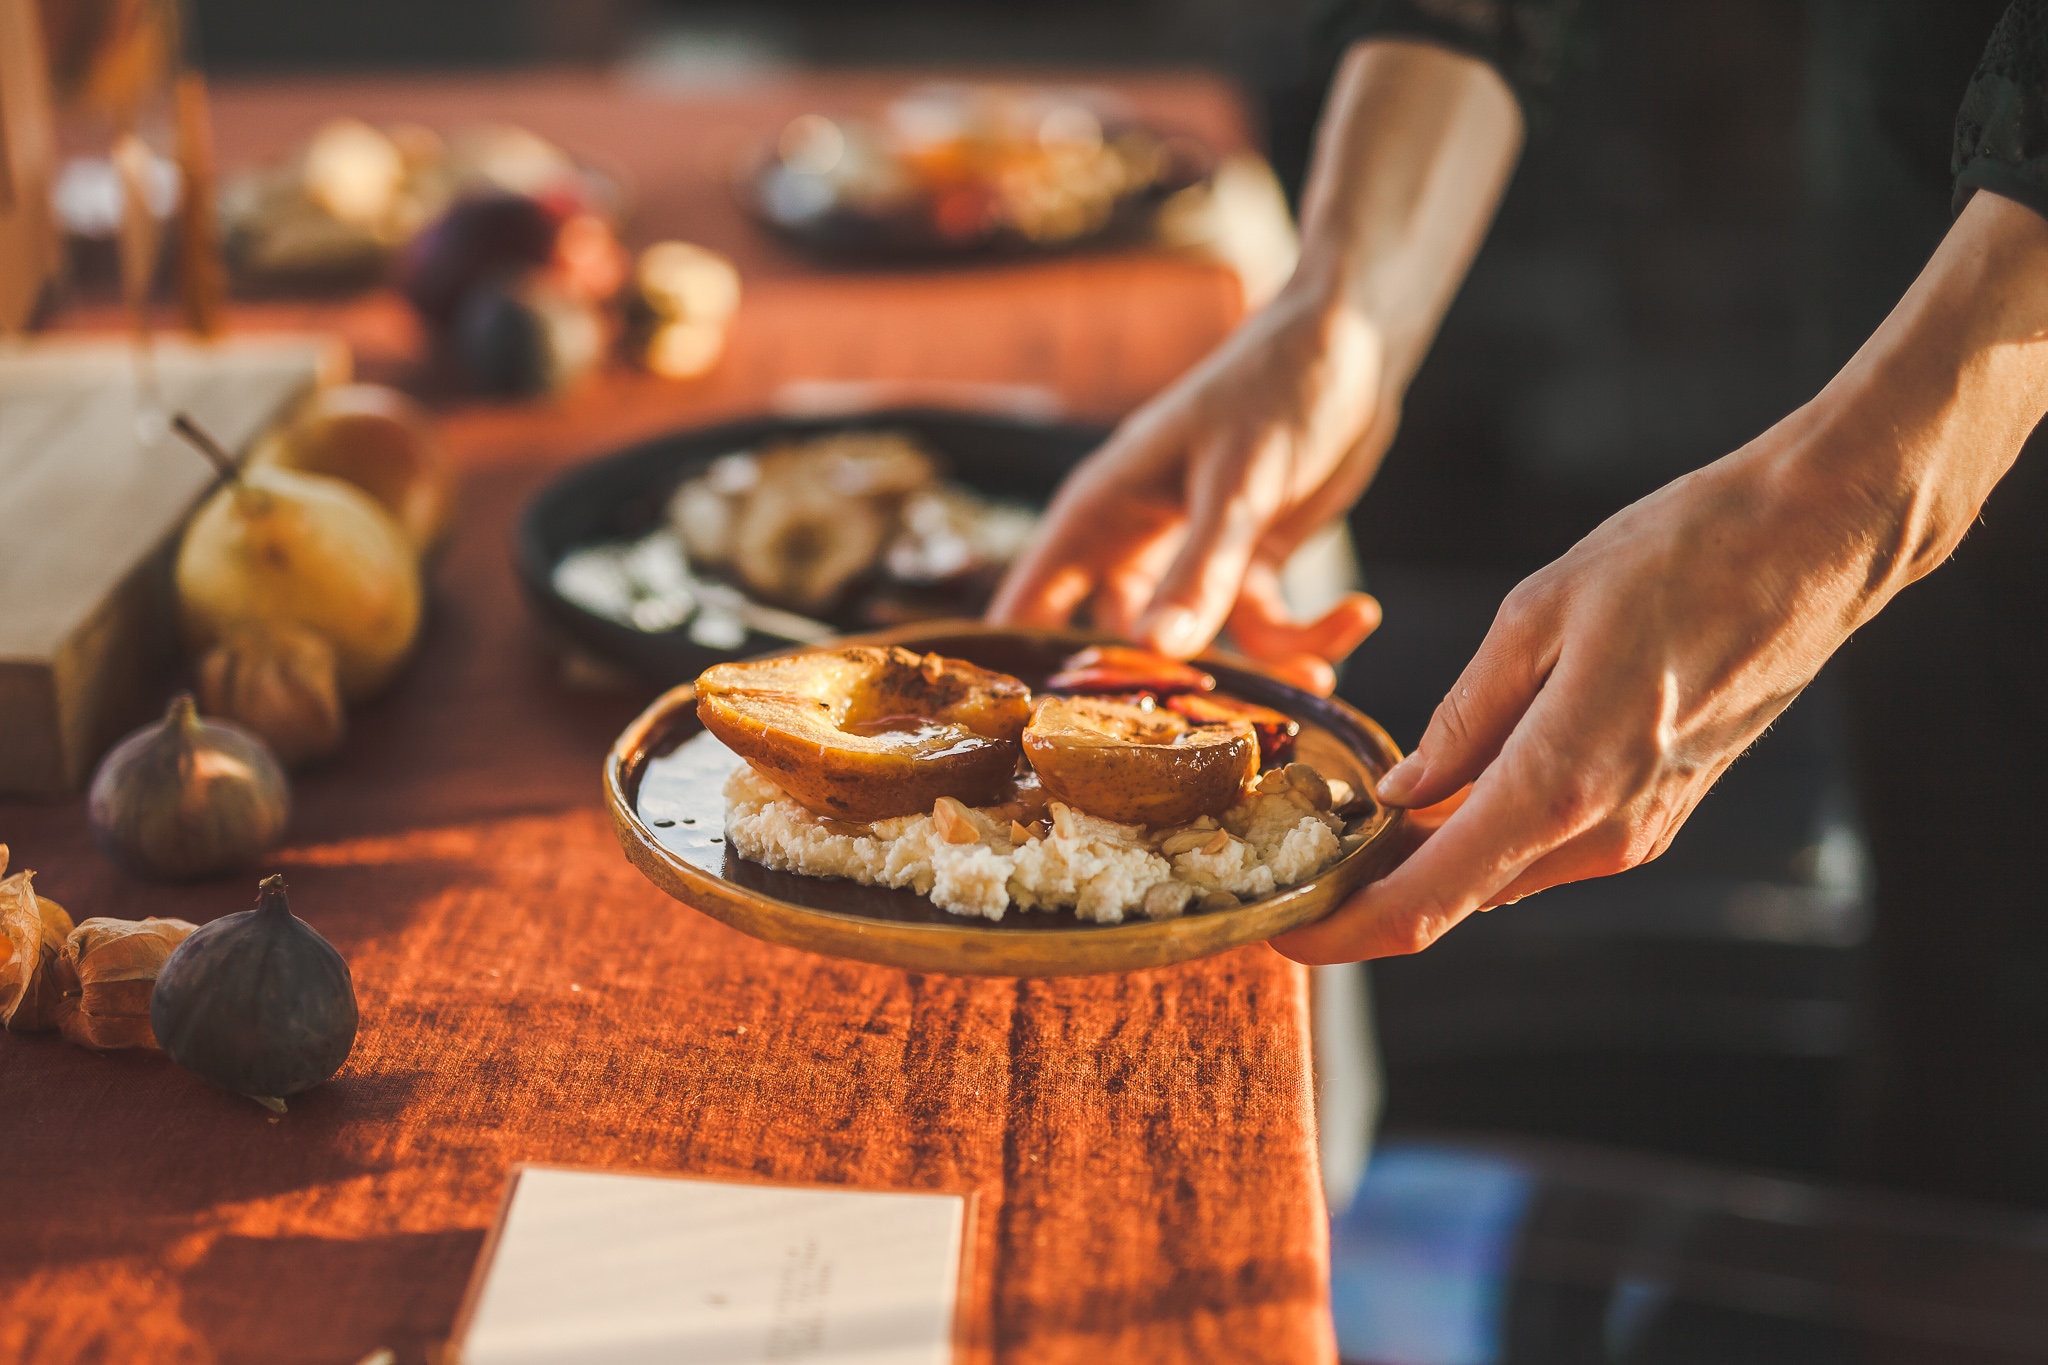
<point x="1179" y="523"/>
<point x="1618" y="683"/>
<point x="1614" y="688"/>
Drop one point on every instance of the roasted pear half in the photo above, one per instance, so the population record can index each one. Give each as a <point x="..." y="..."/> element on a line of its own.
<point x="865" y="733"/>
<point x="1136" y="763"/>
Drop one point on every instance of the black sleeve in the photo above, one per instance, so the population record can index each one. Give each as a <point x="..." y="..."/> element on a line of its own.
<point x="2002" y="130"/>
<point x="1525" y="40"/>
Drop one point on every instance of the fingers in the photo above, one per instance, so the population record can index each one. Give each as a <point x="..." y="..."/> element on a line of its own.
<point x="1477" y="715"/>
<point x="1266" y="630"/>
<point x="1500" y="831"/>
<point x="1093" y="524"/>
<point x="1200" y="587"/>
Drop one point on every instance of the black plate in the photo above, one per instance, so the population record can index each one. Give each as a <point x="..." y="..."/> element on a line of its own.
<point x="848" y="237"/>
<point x="622" y="496"/>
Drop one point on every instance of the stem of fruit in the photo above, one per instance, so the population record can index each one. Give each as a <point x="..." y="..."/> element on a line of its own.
<point x="196" y="436"/>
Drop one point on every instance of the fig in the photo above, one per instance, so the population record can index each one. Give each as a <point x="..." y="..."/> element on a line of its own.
<point x="257" y="1002"/>
<point x="188" y="797"/>
<point x="278" y="682"/>
<point x="36" y="978"/>
<point x="480" y="237"/>
<point x="1136" y="763"/>
<point x="379" y="440"/>
<point x="116" y="962"/>
<point x="276" y="547"/>
<point x="865" y="733"/>
<point x="518" y="336"/>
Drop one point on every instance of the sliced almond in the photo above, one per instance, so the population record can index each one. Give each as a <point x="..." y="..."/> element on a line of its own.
<point x="1309" y="784"/>
<point x="1184" y="841"/>
<point x="1218" y="841"/>
<point x="1019" y="834"/>
<point x="954" y="825"/>
<point x="1218" y="900"/>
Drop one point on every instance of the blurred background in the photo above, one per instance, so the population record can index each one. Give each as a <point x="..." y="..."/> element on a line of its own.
<point x="1587" y="1098"/>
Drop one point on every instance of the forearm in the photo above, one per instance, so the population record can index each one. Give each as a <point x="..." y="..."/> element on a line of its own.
<point x="1414" y="152"/>
<point x="1909" y="439"/>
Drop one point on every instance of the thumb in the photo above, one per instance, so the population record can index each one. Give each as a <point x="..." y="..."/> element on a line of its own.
<point x="1477" y="715"/>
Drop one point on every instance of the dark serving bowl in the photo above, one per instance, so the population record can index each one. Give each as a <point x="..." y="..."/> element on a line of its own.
<point x="622" y="496"/>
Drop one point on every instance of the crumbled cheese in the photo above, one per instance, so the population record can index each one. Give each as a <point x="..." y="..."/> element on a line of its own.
<point x="1101" y="870"/>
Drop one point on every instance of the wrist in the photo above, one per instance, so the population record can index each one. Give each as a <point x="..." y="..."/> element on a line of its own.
<point x="1915" y="431"/>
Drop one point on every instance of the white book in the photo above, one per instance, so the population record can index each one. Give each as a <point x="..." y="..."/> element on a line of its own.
<point x="603" y="1266"/>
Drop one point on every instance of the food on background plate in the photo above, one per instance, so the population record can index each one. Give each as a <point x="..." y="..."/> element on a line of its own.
<point x="856" y="527"/>
<point x="1118" y="807"/>
<point x="864" y="734"/>
<point x="187" y="797"/>
<point x="333" y="214"/>
<point x="948" y="168"/>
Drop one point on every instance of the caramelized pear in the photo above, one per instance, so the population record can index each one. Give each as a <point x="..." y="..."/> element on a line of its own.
<point x="863" y="733"/>
<point x="1136" y="764"/>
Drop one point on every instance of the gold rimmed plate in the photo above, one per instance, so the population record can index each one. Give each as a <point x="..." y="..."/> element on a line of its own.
<point x="665" y="777"/>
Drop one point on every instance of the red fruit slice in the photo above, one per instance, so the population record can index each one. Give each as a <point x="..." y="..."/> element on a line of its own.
<point x="1105" y="669"/>
<point x="1276" y="731"/>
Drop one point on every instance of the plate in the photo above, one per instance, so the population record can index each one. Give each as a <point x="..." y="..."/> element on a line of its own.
<point x="622" y="496"/>
<point x="664" y="778"/>
<point x="920" y="221"/>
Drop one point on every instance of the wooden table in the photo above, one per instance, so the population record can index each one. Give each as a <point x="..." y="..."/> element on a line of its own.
<point x="1142" y="1147"/>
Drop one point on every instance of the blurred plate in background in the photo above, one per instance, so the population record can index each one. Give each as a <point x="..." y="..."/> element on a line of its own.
<point x="604" y="523"/>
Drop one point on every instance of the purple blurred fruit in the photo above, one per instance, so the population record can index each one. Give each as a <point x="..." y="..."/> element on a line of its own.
<point x="480" y="238"/>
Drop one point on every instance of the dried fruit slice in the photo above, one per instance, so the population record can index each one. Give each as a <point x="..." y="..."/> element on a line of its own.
<point x="1101" y="670"/>
<point x="1275" y="730"/>
<point x="1138" y="765"/>
<point x="864" y="733"/>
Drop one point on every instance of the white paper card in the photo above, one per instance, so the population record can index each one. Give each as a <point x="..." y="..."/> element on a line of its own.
<point x="594" y="1265"/>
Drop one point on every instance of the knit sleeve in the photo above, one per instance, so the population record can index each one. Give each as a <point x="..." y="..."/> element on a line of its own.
<point x="2001" y="141"/>
<point x="1525" y="40"/>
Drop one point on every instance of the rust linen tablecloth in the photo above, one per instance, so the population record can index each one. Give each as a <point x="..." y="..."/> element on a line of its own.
<point x="1142" y="1147"/>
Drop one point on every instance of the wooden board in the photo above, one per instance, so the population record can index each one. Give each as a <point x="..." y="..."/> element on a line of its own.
<point x="91" y="500"/>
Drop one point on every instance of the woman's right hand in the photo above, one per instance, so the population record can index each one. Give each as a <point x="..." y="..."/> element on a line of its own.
<point x="1179" y="523"/>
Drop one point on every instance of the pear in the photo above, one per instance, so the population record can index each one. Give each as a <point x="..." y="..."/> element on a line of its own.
<point x="379" y="440"/>
<point x="275" y="547"/>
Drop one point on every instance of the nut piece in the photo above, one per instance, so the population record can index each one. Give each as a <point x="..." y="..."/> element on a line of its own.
<point x="951" y="820"/>
<point x="1218" y="900"/>
<point x="116" y="962"/>
<point x="1310" y="784"/>
<point x="1019" y="834"/>
<point x="1218" y="841"/>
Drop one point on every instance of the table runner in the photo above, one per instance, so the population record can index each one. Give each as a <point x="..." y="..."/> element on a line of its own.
<point x="1141" y="1147"/>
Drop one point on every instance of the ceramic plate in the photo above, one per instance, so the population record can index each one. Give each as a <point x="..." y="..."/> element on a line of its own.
<point x="664" y="780"/>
